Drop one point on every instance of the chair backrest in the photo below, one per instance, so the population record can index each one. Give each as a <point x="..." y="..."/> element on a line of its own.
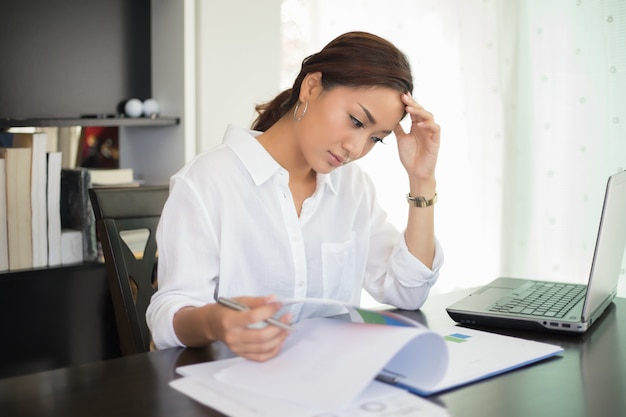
<point x="126" y="222"/>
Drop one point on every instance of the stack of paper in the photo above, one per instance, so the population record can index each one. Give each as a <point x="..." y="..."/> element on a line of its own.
<point x="332" y="365"/>
<point x="377" y="399"/>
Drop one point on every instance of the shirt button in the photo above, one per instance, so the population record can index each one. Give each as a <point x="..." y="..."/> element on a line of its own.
<point x="300" y="283"/>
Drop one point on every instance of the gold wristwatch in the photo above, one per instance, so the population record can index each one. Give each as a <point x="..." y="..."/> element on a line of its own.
<point x="420" y="201"/>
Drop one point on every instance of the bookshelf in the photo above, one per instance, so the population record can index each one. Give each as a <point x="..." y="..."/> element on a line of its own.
<point x="63" y="316"/>
<point x="63" y="64"/>
<point x="89" y="121"/>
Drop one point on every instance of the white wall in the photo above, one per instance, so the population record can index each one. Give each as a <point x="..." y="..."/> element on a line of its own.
<point x="155" y="153"/>
<point x="212" y="62"/>
<point x="238" y="63"/>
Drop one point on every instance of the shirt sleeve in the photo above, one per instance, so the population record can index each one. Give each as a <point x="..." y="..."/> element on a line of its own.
<point x="393" y="274"/>
<point x="187" y="264"/>
<point x="408" y="281"/>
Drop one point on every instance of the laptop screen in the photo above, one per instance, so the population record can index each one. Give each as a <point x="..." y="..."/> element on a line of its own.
<point x="610" y="245"/>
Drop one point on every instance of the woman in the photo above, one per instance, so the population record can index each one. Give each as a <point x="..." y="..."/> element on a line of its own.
<point x="279" y="211"/>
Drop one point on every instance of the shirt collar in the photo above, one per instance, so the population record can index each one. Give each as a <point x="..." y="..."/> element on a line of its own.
<point x="251" y="153"/>
<point x="258" y="161"/>
<point x="326" y="180"/>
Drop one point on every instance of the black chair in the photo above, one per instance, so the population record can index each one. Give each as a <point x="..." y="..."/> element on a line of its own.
<point x="126" y="221"/>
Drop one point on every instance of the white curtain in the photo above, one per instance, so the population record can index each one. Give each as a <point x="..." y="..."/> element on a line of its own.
<point x="569" y="134"/>
<point x="531" y="99"/>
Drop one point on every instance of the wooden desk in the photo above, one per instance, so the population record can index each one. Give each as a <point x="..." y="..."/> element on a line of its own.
<point x="588" y="380"/>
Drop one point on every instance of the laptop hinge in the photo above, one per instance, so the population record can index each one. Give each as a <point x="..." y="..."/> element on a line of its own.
<point x="599" y="310"/>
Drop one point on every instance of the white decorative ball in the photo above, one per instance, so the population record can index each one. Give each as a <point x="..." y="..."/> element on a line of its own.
<point x="151" y="108"/>
<point x="133" y="107"/>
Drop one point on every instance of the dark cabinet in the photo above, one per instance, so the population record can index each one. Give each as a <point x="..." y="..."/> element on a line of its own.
<point x="55" y="317"/>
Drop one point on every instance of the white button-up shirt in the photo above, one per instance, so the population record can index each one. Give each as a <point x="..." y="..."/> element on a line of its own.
<point x="230" y="228"/>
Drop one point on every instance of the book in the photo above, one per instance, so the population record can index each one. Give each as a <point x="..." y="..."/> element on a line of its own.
<point x="326" y="363"/>
<point x="53" y="202"/>
<point x="52" y="135"/>
<point x="68" y="144"/>
<point x="76" y="211"/>
<point x="111" y="176"/>
<point x="71" y="246"/>
<point x="38" y="142"/>
<point x="18" y="206"/>
<point x="4" y="248"/>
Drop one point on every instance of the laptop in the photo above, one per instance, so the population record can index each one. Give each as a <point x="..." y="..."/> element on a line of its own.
<point x="520" y="303"/>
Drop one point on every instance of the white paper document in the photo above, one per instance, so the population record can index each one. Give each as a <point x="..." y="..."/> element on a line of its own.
<point x="474" y="355"/>
<point x="377" y="399"/>
<point x="332" y="365"/>
<point x="328" y="362"/>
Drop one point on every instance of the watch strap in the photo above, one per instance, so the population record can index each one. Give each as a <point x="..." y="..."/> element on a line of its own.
<point x="420" y="201"/>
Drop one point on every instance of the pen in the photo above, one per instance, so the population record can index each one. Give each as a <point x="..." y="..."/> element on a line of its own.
<point x="230" y="303"/>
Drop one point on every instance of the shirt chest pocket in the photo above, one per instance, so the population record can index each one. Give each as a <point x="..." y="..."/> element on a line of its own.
<point x="338" y="269"/>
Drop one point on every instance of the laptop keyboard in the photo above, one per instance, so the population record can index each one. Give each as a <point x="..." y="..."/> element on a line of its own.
<point x="542" y="299"/>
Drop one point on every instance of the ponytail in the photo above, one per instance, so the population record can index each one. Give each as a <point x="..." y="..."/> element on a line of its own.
<point x="354" y="59"/>
<point x="270" y="113"/>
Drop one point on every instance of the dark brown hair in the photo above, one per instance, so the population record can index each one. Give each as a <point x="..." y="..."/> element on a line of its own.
<point x="354" y="59"/>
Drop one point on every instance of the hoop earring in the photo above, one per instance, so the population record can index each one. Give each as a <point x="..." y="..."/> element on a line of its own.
<point x="295" y="111"/>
